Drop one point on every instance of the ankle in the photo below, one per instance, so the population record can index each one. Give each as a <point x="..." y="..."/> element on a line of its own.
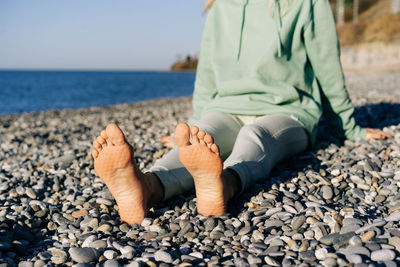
<point x="232" y="184"/>
<point x="154" y="187"/>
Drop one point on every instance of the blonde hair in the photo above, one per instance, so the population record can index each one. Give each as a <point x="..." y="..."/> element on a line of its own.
<point x="208" y="4"/>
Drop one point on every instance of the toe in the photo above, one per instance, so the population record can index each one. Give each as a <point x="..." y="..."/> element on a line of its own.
<point x="214" y="148"/>
<point x="95" y="153"/>
<point x="182" y="135"/>
<point x="115" y="134"/>
<point x="101" y="140"/>
<point x="97" y="145"/>
<point x="104" y="134"/>
<point x="194" y="131"/>
<point x="200" y="136"/>
<point x="208" y="139"/>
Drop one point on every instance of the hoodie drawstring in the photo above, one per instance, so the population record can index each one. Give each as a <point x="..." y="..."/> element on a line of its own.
<point x="278" y="21"/>
<point x="241" y="28"/>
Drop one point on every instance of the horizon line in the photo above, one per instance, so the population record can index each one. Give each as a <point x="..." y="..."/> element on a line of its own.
<point x="78" y="69"/>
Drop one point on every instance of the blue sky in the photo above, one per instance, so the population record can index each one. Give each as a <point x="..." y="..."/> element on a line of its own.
<point x="98" y="34"/>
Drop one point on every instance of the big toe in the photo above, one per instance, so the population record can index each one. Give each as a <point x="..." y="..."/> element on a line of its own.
<point x="182" y="135"/>
<point x="115" y="134"/>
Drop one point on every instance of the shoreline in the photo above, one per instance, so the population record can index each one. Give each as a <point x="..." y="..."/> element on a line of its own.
<point x="156" y="102"/>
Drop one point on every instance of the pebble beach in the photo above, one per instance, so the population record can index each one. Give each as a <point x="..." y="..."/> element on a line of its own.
<point x="335" y="205"/>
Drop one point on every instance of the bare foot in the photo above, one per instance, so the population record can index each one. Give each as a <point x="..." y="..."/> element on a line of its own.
<point x="114" y="163"/>
<point x="202" y="160"/>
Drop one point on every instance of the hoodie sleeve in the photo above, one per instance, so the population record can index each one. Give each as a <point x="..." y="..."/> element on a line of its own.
<point x="323" y="51"/>
<point x="204" y="87"/>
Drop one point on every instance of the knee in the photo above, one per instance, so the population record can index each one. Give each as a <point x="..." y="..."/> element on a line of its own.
<point x="253" y="131"/>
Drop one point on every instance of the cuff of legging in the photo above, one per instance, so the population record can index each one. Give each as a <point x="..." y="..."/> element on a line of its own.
<point x="243" y="174"/>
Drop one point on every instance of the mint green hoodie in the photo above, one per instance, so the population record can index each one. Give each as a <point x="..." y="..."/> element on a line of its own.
<point x="258" y="59"/>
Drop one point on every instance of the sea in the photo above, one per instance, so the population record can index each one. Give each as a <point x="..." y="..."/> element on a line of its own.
<point x="31" y="91"/>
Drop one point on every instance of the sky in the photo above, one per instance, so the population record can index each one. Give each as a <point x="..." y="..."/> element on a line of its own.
<point x="98" y="34"/>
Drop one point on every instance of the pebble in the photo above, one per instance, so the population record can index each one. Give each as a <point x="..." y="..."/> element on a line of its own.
<point x="395" y="241"/>
<point x="342" y="240"/>
<point x="354" y="258"/>
<point x="321" y="253"/>
<point x="393" y="217"/>
<point x="356" y="250"/>
<point x="79" y="213"/>
<point x="244" y="231"/>
<point x="98" y="244"/>
<point x="104" y="201"/>
<point x="83" y="255"/>
<point x="104" y="228"/>
<point x="111" y="263"/>
<point x="367" y="236"/>
<point x="355" y="241"/>
<point x="163" y="256"/>
<point x="30" y="193"/>
<point x="327" y="192"/>
<point x="110" y="254"/>
<point x="270" y="261"/>
<point x="330" y="262"/>
<point x="328" y="239"/>
<point x="298" y="221"/>
<point x="383" y="255"/>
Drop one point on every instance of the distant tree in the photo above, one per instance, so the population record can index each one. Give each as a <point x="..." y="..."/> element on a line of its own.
<point x="340" y="12"/>
<point x="356" y="6"/>
<point x="395" y="7"/>
<point x="188" y="58"/>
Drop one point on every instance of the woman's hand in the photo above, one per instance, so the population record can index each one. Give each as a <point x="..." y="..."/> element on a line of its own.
<point x="376" y="134"/>
<point x="167" y="141"/>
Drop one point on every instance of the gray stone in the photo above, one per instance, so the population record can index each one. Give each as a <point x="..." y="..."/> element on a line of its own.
<point x="98" y="244"/>
<point x="349" y="228"/>
<point x="298" y="221"/>
<point x="186" y="229"/>
<point x="377" y="223"/>
<point x="241" y="262"/>
<point x="82" y="265"/>
<point x="25" y="264"/>
<point x="321" y="253"/>
<point x="330" y="262"/>
<point x="111" y="263"/>
<point x="308" y="255"/>
<point x="354" y="258"/>
<point x="342" y="240"/>
<point x="210" y="224"/>
<point x="395" y="216"/>
<point x="271" y="261"/>
<point x="327" y="192"/>
<point x="328" y="239"/>
<point x="383" y="255"/>
<point x="110" y="254"/>
<point x="355" y="241"/>
<point x="83" y="255"/>
<point x="163" y="256"/>
<point x="245" y="230"/>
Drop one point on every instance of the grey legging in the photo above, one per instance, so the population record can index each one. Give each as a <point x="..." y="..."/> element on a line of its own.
<point x="251" y="148"/>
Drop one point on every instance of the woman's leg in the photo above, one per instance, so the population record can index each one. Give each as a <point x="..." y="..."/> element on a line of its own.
<point x="257" y="148"/>
<point x="173" y="176"/>
<point x="261" y="145"/>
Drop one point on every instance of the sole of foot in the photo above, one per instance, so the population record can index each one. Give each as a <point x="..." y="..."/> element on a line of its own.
<point x="201" y="158"/>
<point x="115" y="165"/>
